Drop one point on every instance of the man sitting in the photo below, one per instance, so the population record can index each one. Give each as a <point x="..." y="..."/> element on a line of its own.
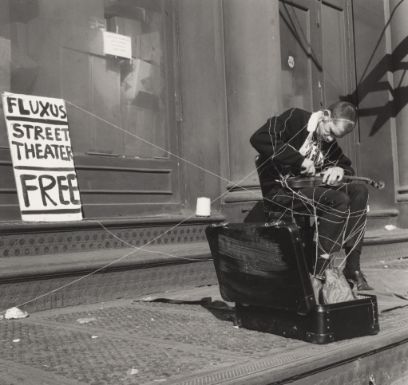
<point x="302" y="143"/>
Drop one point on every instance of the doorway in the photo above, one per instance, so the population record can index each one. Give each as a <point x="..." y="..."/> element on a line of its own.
<point x="317" y="60"/>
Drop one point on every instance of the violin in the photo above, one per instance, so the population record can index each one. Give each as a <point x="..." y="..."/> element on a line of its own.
<point x="317" y="180"/>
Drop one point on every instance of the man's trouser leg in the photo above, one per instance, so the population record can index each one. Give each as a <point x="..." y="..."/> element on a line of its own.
<point x="331" y="208"/>
<point x="358" y="194"/>
<point x="330" y="205"/>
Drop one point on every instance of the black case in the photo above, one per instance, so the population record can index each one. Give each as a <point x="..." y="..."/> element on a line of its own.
<point x="263" y="269"/>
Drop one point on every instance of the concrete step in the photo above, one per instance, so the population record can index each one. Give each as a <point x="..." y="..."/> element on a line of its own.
<point x="65" y="279"/>
<point x="47" y="265"/>
<point x="384" y="245"/>
<point x="23" y="268"/>
<point x="47" y="281"/>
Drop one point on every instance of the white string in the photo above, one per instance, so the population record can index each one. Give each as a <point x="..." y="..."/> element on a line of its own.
<point x="136" y="249"/>
<point x="147" y="142"/>
<point x="356" y="231"/>
<point x="150" y="241"/>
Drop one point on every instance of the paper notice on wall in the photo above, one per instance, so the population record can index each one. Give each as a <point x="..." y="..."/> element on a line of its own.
<point x="117" y="45"/>
<point x="41" y="153"/>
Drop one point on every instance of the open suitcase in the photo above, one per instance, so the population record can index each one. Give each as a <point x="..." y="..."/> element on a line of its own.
<point x="263" y="269"/>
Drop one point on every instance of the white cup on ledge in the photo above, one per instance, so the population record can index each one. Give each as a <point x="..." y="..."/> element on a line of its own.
<point x="203" y="207"/>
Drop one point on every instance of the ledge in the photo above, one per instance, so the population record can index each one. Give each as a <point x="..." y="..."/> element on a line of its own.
<point x="383" y="213"/>
<point x="383" y="236"/>
<point x="243" y="196"/>
<point x="19" y="226"/>
<point x="25" y="268"/>
<point x="20" y="269"/>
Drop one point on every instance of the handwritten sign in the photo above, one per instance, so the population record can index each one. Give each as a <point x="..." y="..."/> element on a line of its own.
<point x="42" y="158"/>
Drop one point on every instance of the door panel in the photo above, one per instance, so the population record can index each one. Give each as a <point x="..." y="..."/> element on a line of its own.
<point x="300" y="54"/>
<point x="375" y="111"/>
<point x="316" y="58"/>
<point x="338" y="74"/>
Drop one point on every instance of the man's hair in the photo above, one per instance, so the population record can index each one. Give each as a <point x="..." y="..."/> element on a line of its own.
<point x="344" y="115"/>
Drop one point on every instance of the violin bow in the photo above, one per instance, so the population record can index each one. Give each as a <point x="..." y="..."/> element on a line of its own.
<point x="314" y="181"/>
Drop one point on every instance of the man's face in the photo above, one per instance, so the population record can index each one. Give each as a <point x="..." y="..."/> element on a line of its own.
<point x="328" y="128"/>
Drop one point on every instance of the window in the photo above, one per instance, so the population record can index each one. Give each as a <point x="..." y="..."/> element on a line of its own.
<point x="120" y="111"/>
<point x="116" y="106"/>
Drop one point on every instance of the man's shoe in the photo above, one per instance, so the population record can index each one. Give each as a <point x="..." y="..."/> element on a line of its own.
<point x="358" y="279"/>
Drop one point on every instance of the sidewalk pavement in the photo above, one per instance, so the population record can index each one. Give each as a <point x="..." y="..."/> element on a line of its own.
<point x="189" y="337"/>
<point x="180" y="339"/>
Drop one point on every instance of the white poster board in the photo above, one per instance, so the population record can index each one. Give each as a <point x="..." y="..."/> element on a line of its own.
<point x="43" y="164"/>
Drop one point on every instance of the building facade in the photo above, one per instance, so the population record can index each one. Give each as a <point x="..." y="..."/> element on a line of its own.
<point x="152" y="133"/>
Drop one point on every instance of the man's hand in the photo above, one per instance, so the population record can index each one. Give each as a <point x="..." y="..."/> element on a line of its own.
<point x="333" y="176"/>
<point x="308" y="167"/>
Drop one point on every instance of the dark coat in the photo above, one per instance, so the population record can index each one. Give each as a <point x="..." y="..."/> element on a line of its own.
<point x="279" y="140"/>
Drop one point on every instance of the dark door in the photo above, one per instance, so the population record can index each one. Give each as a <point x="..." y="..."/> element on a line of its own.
<point x="301" y="61"/>
<point x="338" y="61"/>
<point x="328" y="47"/>
<point x="316" y="52"/>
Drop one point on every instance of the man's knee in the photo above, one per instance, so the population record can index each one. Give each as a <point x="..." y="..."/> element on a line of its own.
<point x="337" y="200"/>
<point x="358" y="192"/>
<point x="359" y="188"/>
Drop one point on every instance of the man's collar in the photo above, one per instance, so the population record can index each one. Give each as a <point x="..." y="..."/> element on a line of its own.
<point x="314" y="120"/>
